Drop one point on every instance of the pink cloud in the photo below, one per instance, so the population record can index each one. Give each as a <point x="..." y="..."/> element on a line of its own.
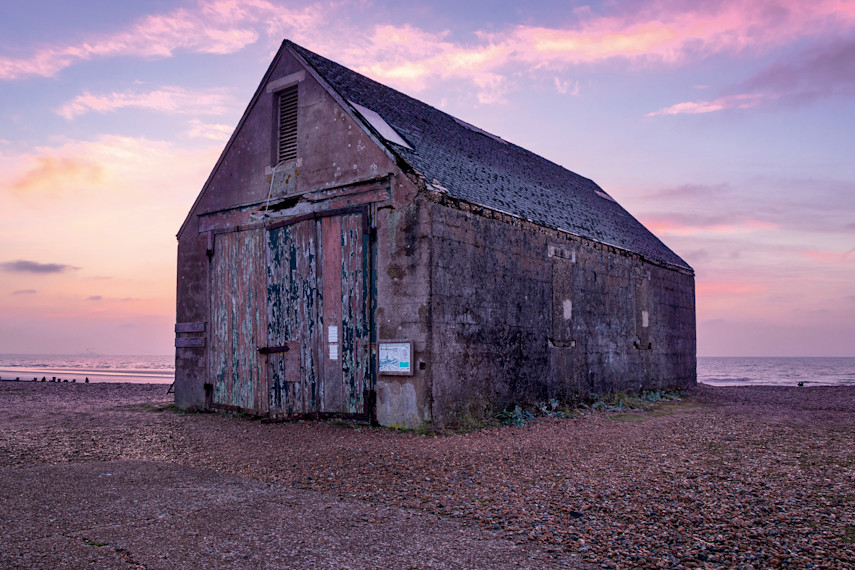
<point x="214" y="27"/>
<point x="164" y="100"/>
<point x="216" y="132"/>
<point x="674" y="227"/>
<point x="830" y="256"/>
<point x="564" y="87"/>
<point x="409" y="56"/>
<point x="406" y="56"/>
<point x="110" y="168"/>
<point x="725" y="288"/>
<point x="656" y="33"/>
<point x="742" y="101"/>
<point x="50" y="172"/>
<point x="823" y="71"/>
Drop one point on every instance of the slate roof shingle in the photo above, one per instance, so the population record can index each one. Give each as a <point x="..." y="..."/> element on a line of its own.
<point x="494" y="173"/>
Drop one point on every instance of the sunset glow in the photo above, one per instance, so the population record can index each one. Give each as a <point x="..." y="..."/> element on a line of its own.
<point x="724" y="127"/>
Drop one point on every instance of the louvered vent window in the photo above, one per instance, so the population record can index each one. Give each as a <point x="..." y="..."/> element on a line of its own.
<point x="287" y="124"/>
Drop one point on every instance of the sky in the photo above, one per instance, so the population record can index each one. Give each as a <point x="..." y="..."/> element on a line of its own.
<point x="728" y="128"/>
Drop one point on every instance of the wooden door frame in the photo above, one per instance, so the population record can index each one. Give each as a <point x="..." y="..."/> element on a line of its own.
<point x="369" y="392"/>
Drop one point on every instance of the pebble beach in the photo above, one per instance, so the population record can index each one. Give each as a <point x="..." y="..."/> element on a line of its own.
<point x="725" y="477"/>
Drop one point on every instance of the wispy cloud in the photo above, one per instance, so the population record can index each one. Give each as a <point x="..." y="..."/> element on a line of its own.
<point x="106" y="169"/>
<point x="50" y="172"/>
<point x="171" y="100"/>
<point x="829" y="256"/>
<point x="566" y="88"/>
<point x="814" y="205"/>
<point x="27" y="266"/>
<point x="212" y="27"/>
<point x="742" y="101"/>
<point x="24" y="292"/>
<point x="136" y="203"/>
<point x="740" y="227"/>
<point x="408" y="56"/>
<point x="819" y="73"/>
<point x="215" y="132"/>
<point x="94" y="298"/>
<point x="726" y="288"/>
<point x="656" y="32"/>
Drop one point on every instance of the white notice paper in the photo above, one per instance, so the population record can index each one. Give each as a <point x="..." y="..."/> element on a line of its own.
<point x="333" y="351"/>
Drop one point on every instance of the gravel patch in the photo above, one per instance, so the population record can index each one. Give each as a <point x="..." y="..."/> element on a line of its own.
<point x="728" y="477"/>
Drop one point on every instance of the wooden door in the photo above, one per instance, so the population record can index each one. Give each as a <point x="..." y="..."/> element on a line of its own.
<point x="318" y="318"/>
<point x="293" y="324"/>
<point x="238" y="322"/>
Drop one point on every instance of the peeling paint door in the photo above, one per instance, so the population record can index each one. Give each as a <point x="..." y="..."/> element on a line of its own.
<point x="318" y="317"/>
<point x="238" y="321"/>
<point x="293" y="323"/>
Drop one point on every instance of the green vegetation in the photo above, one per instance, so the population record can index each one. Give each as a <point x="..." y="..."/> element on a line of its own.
<point x="516" y="417"/>
<point x="620" y="406"/>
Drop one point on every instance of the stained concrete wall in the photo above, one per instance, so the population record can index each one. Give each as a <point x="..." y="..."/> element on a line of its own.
<point x="522" y="313"/>
<point x="404" y="310"/>
<point x="191" y="364"/>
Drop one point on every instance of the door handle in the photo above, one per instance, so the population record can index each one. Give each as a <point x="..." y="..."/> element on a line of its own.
<point x="272" y="349"/>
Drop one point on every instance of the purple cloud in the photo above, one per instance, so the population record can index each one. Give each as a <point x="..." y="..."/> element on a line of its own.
<point x="24" y="292"/>
<point x="821" y="72"/>
<point x="26" y="266"/>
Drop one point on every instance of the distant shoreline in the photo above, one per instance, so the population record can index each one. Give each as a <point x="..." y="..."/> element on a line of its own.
<point x="9" y="374"/>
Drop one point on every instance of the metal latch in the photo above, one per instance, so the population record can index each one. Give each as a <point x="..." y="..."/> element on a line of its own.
<point x="272" y="349"/>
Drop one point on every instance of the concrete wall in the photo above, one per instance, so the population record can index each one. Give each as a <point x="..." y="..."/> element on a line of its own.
<point x="191" y="364"/>
<point x="403" y="309"/>
<point x="522" y="313"/>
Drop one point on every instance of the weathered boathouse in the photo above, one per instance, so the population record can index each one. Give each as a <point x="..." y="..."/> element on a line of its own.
<point x="358" y="253"/>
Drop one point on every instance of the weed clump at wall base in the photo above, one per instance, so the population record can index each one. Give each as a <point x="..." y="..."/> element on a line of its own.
<point x="617" y="402"/>
<point x="516" y="417"/>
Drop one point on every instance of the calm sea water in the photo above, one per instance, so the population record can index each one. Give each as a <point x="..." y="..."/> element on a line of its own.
<point x="98" y="368"/>
<point x="754" y="371"/>
<point x="723" y="371"/>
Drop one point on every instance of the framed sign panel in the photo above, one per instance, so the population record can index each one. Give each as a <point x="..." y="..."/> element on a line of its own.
<point x="395" y="357"/>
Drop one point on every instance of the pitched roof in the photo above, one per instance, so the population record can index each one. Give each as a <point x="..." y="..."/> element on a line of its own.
<point x="478" y="167"/>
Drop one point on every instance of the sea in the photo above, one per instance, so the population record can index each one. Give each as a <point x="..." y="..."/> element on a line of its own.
<point x="776" y="371"/>
<point x="719" y="371"/>
<point x="156" y="369"/>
